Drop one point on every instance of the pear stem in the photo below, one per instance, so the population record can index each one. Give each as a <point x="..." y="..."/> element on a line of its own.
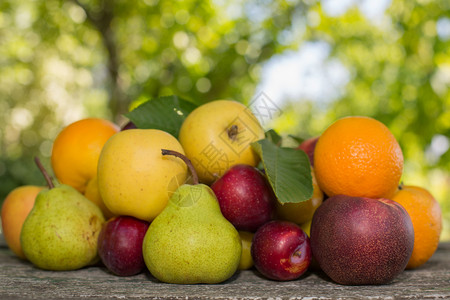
<point x="44" y="172"/>
<point x="186" y="160"/>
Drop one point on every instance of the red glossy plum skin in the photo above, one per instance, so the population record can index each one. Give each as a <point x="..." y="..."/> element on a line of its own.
<point x="281" y="250"/>
<point x="245" y="197"/>
<point x="120" y="245"/>
<point x="361" y="240"/>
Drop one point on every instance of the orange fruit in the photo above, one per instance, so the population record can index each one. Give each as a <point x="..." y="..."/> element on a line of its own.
<point x="426" y="217"/>
<point x="15" y="209"/>
<point x="359" y="157"/>
<point x="75" y="155"/>
<point x="77" y="148"/>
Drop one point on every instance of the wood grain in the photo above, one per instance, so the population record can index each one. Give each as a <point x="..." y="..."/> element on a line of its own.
<point x="20" y="280"/>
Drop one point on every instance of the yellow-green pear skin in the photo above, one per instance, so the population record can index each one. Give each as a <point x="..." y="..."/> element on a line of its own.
<point x="190" y="241"/>
<point x="61" y="231"/>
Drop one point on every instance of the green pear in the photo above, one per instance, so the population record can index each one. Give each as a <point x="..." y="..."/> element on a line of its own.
<point x="61" y="230"/>
<point x="190" y="241"/>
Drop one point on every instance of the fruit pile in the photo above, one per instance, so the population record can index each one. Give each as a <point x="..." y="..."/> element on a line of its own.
<point x="196" y="198"/>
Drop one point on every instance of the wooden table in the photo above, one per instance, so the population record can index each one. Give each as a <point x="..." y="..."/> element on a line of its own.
<point x="20" y="280"/>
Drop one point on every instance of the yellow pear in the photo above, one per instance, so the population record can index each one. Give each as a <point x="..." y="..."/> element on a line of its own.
<point x="134" y="178"/>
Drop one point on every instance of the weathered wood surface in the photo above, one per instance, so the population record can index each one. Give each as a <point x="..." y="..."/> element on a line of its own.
<point x="20" y="280"/>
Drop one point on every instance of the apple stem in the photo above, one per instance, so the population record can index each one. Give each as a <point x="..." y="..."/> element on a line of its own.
<point x="44" y="172"/>
<point x="233" y="132"/>
<point x="185" y="159"/>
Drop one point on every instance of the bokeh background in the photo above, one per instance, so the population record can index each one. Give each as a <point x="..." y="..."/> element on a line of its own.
<point x="315" y="61"/>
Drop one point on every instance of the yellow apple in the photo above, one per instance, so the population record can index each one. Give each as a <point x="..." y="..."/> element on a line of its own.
<point x="217" y="135"/>
<point x="15" y="209"/>
<point x="134" y="178"/>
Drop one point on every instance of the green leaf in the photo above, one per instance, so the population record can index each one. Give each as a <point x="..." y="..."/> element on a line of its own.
<point x="164" y="113"/>
<point x="288" y="171"/>
<point x="298" y="139"/>
<point x="273" y="136"/>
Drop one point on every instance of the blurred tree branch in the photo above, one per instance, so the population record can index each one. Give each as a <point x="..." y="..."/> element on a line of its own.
<point x="63" y="60"/>
<point x="101" y="19"/>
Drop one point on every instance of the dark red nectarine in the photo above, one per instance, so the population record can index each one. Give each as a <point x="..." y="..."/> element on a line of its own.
<point x="361" y="240"/>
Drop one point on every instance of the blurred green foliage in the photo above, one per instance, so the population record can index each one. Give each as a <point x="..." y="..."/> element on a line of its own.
<point x="61" y="61"/>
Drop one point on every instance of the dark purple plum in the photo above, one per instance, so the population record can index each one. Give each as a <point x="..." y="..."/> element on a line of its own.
<point x="120" y="245"/>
